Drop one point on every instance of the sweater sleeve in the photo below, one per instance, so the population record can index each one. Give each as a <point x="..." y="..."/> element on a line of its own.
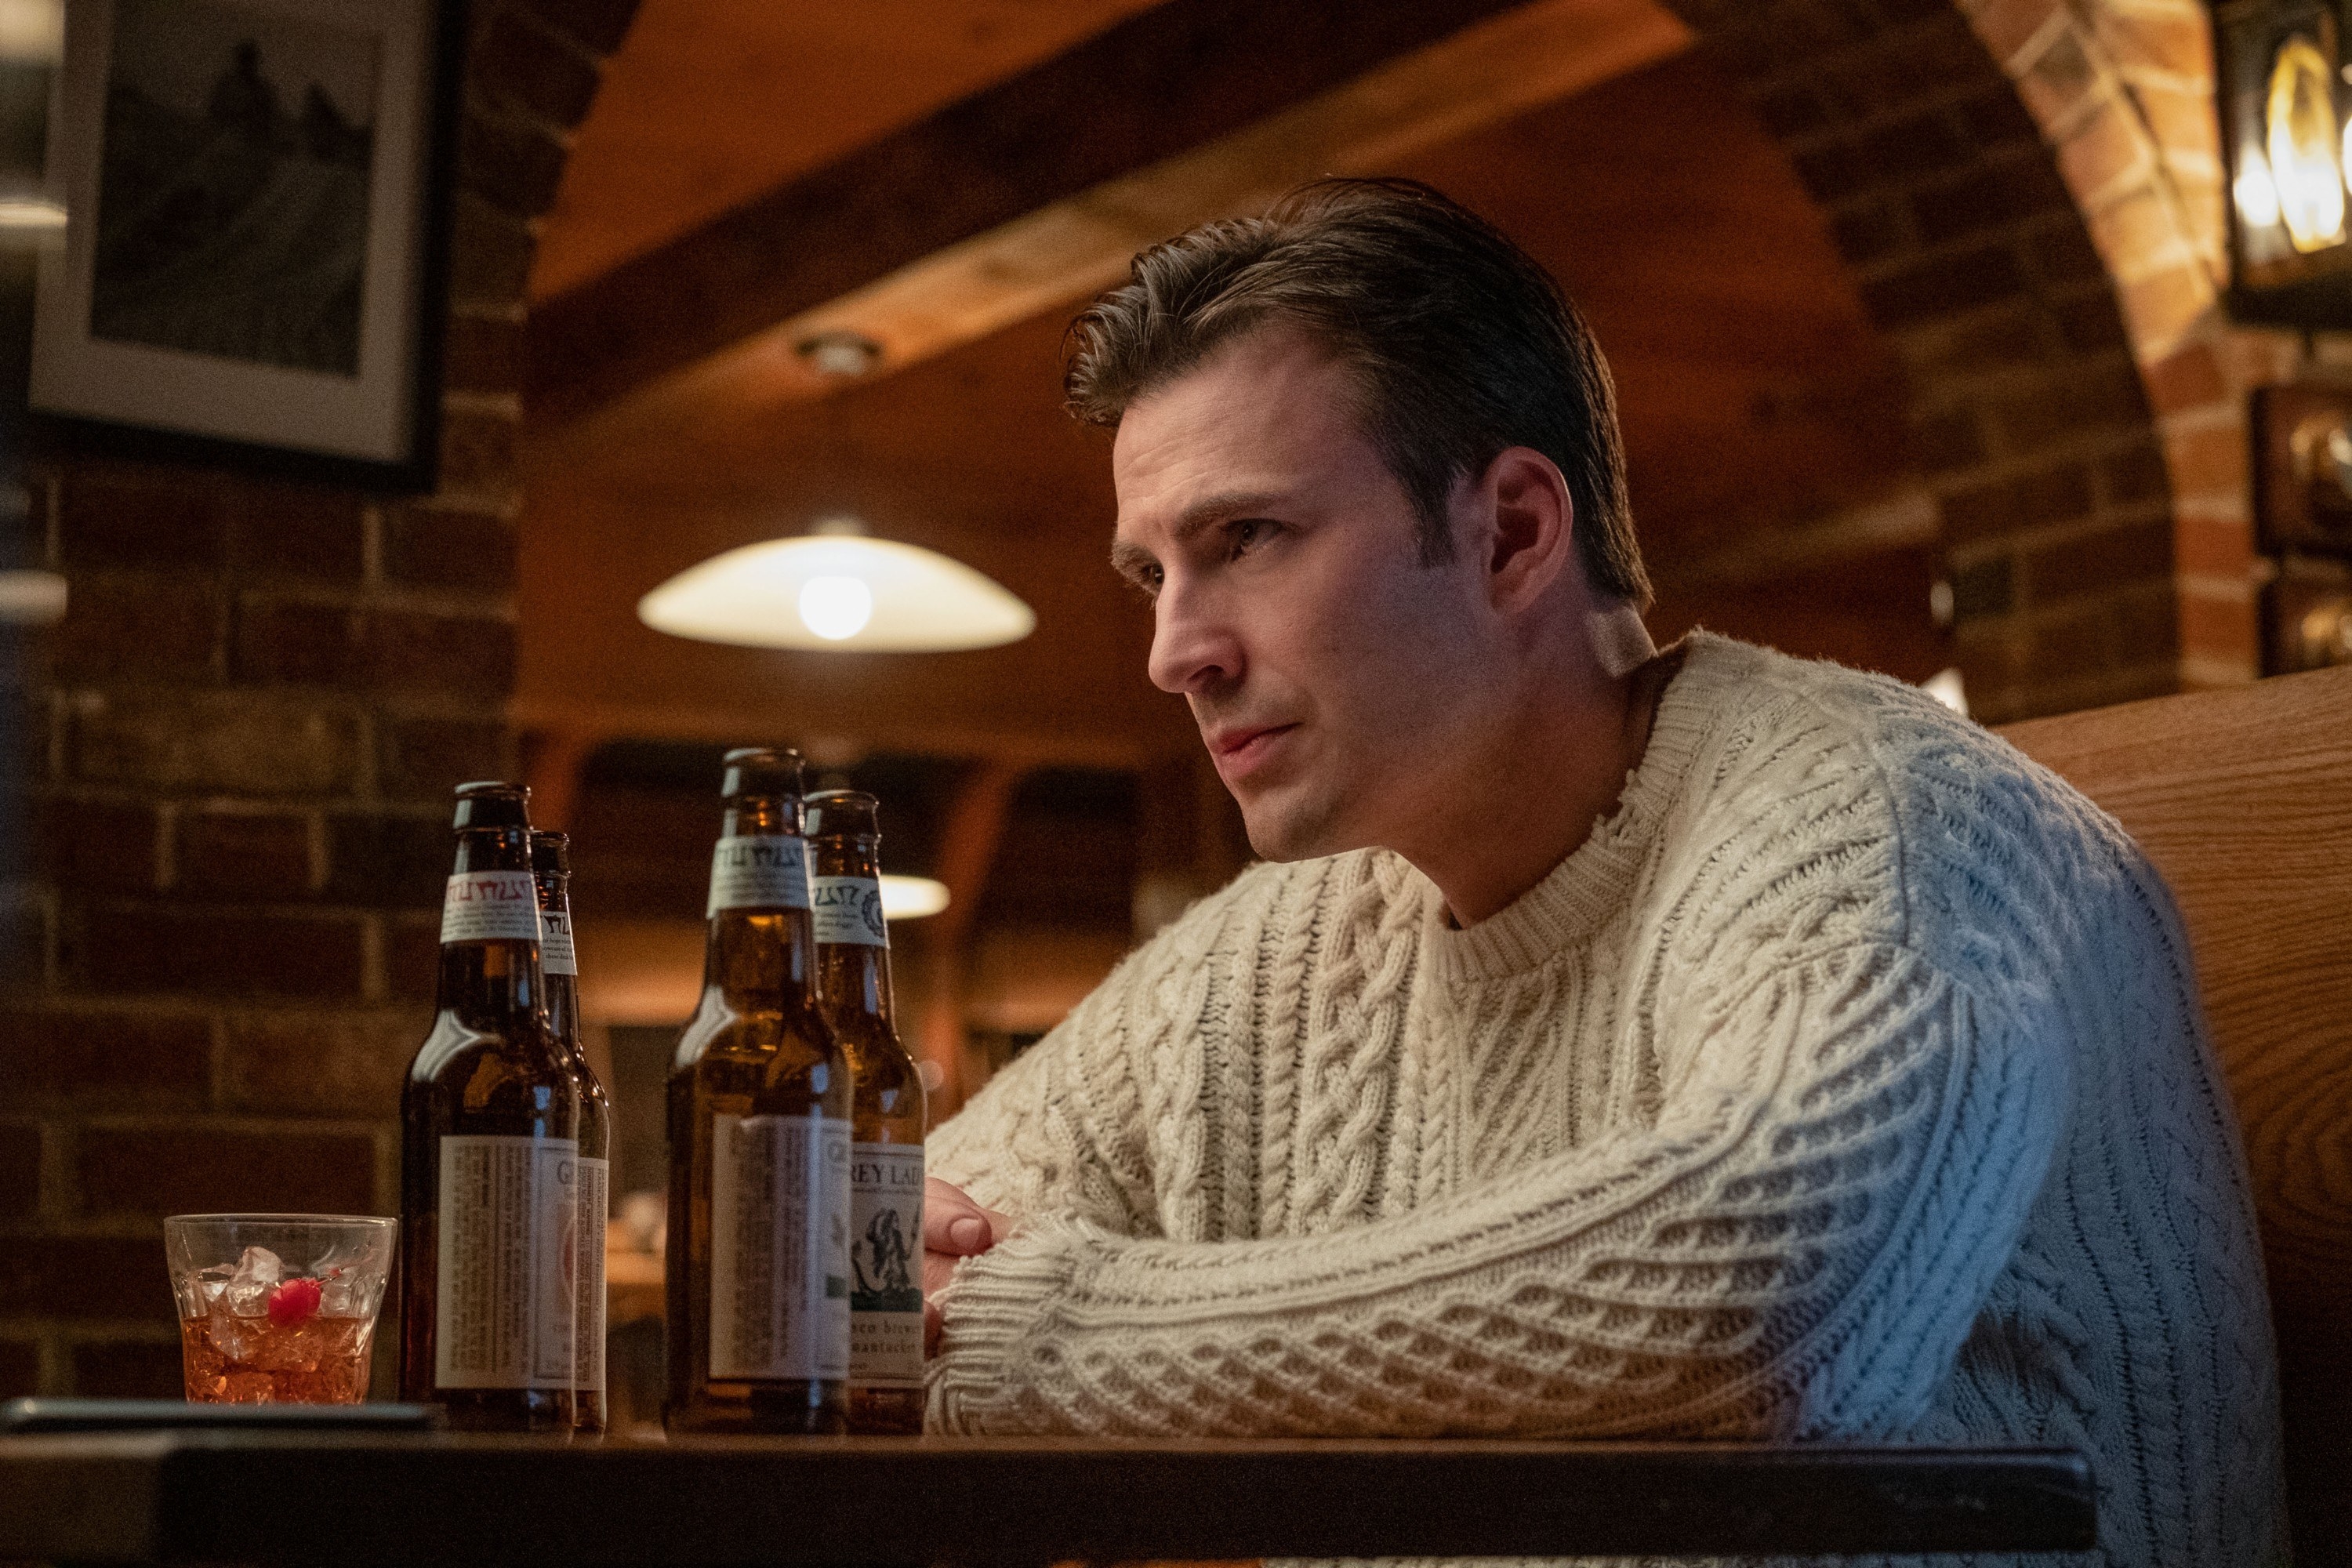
<point x="1848" y="1147"/>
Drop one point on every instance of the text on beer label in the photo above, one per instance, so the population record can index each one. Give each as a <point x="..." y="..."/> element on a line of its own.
<point x="779" y="1247"/>
<point x="594" y="1191"/>
<point x="766" y="872"/>
<point x="848" y="908"/>
<point x="886" y="1240"/>
<point x="506" y="1289"/>
<point x="490" y="906"/>
<point x="555" y="954"/>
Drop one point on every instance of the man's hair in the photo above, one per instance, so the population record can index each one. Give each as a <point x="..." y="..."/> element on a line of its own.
<point x="1461" y="345"/>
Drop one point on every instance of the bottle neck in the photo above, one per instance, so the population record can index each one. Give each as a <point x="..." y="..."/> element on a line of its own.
<point x="761" y="955"/>
<point x="488" y="985"/>
<point x="853" y="978"/>
<point x="558" y="973"/>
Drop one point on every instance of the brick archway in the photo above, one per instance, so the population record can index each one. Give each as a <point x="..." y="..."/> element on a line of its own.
<point x="2032" y="427"/>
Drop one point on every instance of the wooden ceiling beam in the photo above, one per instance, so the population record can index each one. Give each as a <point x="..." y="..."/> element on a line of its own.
<point x="1036" y="190"/>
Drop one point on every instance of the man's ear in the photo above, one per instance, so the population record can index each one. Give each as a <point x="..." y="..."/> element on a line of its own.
<point x="1533" y="540"/>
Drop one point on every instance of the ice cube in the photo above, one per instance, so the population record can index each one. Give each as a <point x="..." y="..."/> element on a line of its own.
<point x="349" y="1292"/>
<point x="257" y="1275"/>
<point x="238" y="1339"/>
<point x="200" y="1289"/>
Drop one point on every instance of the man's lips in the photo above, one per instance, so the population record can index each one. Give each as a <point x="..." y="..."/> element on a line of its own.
<point x="1239" y="746"/>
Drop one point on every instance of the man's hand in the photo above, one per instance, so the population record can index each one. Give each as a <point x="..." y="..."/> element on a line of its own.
<point x="954" y="1228"/>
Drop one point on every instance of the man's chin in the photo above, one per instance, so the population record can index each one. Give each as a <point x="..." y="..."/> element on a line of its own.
<point x="1283" y="827"/>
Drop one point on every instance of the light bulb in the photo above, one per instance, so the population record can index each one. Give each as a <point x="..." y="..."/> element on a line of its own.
<point x="2257" y="197"/>
<point x="835" y="608"/>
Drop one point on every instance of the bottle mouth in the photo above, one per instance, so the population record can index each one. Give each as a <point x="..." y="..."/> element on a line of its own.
<point x="492" y="803"/>
<point x="756" y="772"/>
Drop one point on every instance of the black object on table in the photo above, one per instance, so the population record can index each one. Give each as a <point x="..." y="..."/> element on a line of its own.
<point x="380" y="1499"/>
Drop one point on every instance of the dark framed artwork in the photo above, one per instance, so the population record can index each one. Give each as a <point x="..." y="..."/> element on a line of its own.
<point x="253" y="269"/>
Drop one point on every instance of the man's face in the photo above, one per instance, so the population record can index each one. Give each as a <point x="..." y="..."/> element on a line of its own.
<point x="1328" y="668"/>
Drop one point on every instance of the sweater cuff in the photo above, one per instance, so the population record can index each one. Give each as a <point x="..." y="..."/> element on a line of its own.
<point x="994" y="1311"/>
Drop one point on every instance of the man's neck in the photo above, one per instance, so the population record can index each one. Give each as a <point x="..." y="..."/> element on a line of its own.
<point x="1555" y="765"/>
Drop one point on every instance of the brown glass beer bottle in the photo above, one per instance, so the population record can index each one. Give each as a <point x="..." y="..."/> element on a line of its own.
<point x="887" y="1115"/>
<point x="490" y="1152"/>
<point x="758" y="1255"/>
<point x="551" y="866"/>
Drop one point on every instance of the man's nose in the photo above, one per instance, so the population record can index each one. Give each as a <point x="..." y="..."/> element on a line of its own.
<point x="1194" y="648"/>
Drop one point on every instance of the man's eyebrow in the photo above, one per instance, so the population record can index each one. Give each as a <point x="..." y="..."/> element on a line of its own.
<point x="1129" y="559"/>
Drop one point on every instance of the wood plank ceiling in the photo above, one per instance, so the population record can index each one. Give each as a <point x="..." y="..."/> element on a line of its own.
<point x="1762" y="415"/>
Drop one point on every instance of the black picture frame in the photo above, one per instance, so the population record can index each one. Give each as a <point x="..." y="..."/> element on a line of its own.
<point x="375" y="425"/>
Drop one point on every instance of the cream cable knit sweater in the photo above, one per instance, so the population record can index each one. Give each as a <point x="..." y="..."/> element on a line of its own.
<point x="1848" y="1084"/>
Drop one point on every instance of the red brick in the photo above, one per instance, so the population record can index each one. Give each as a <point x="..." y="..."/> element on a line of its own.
<point x="2137" y="475"/>
<point x="300" y="531"/>
<point x="338" y="1063"/>
<point x="2225" y="628"/>
<point x="1991" y="198"/>
<point x="263" y="857"/>
<point x="2173" y="42"/>
<point x="2207" y="461"/>
<point x="112" y="1056"/>
<point x="2015" y="505"/>
<point x="1985" y="588"/>
<point x="510" y="161"/>
<point x="24" y="942"/>
<point x="20" y="1163"/>
<point x="2096" y="563"/>
<point x="1944" y="287"/>
<point x="2146" y="624"/>
<point x="2211" y="548"/>
<point x="387" y="862"/>
<point x="2070" y="645"/>
<point x="127" y="1369"/>
<point x="483" y="353"/>
<point x="85" y="1277"/>
<point x="490" y="256"/>
<point x="20" y="1369"/>
<point x="412" y="959"/>
<point x="478" y="453"/>
<point x="2182" y="121"/>
<point x="2000" y="340"/>
<point x="138" y="628"/>
<point x="2163" y="305"/>
<point x="2062" y="253"/>
<point x="295" y="643"/>
<point x="141" y="518"/>
<point x="600" y="25"/>
<point x="208" y="1169"/>
<point x="1995" y="118"/>
<point x="1947" y="443"/>
<point x="1863" y="234"/>
<point x="461" y="655"/>
<point x="2006" y="26"/>
<point x="2090" y="324"/>
<point x="206" y="952"/>
<point x="2101" y="151"/>
<point x="523" y="67"/>
<point x="425" y="759"/>
<point x="434" y="547"/>
<point x="98" y="845"/>
<point x="2057" y="80"/>
<point x="236" y="742"/>
<point x="2088" y="399"/>
<point x="2187" y="378"/>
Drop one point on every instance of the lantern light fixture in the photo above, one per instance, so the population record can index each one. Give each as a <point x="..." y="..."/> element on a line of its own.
<point x="2286" y="109"/>
<point x="837" y="588"/>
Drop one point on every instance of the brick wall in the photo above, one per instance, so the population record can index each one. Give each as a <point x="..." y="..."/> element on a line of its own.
<point x="241" y="739"/>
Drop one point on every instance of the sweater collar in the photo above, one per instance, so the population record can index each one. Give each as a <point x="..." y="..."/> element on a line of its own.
<point x="1594" y="881"/>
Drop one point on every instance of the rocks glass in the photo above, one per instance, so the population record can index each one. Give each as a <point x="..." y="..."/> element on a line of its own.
<point x="277" y="1307"/>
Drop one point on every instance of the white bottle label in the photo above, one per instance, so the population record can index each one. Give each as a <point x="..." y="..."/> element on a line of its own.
<point x="506" y="1289"/>
<point x="848" y="908"/>
<point x="768" y="871"/>
<point x="555" y="955"/>
<point x="779" y="1247"/>
<point x="595" y="1190"/>
<point x="490" y="906"/>
<point x="885" y="1253"/>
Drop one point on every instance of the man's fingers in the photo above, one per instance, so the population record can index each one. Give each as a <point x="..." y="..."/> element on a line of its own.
<point x="953" y="1224"/>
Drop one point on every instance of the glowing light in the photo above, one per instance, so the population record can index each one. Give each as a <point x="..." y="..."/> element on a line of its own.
<point x="1945" y="686"/>
<point x="2302" y="140"/>
<point x="839" y="591"/>
<point x="835" y="608"/>
<point x="911" y="898"/>
<point x="31" y="598"/>
<point x="2257" y="197"/>
<point x="30" y="212"/>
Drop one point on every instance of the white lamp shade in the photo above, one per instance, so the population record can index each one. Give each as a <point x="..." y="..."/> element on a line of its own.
<point x="837" y="591"/>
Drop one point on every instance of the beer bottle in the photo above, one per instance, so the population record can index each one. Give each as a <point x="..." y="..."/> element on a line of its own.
<point x="758" y="1264"/>
<point x="489" y="1123"/>
<point x="887" y="1115"/>
<point x="551" y="865"/>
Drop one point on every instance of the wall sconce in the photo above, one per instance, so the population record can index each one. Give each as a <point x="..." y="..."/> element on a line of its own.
<point x="2303" y="525"/>
<point x="2284" y="103"/>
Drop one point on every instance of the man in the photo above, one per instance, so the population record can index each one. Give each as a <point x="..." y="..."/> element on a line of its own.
<point x="1701" y="1043"/>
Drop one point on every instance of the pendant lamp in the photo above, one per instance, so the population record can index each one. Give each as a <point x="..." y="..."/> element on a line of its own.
<point x="836" y="587"/>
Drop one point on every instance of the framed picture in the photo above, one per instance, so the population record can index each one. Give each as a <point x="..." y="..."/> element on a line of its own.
<point x="254" y="268"/>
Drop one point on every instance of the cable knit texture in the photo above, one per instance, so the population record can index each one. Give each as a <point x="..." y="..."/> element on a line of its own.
<point x="1848" y="1084"/>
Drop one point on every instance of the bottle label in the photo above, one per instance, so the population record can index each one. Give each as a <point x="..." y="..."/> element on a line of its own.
<point x="768" y="871"/>
<point x="595" y="1190"/>
<point x="848" y="908"/>
<point x="780" y="1247"/>
<point x="885" y="1248"/>
<point x="506" y="1289"/>
<point x="490" y="906"/>
<point x="555" y="955"/>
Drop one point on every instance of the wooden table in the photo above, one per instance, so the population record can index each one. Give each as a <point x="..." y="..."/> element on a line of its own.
<point x="345" y="1500"/>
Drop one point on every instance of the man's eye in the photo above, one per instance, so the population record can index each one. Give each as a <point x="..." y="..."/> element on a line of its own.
<point x="1249" y="531"/>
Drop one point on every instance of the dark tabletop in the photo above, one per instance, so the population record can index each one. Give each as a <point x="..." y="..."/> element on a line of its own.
<point x="350" y="1501"/>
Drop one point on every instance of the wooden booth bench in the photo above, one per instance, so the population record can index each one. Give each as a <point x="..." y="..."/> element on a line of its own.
<point x="2244" y="798"/>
